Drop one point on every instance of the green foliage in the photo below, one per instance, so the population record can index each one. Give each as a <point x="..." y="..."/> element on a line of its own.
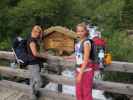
<point x="23" y="14"/>
<point x="5" y="44"/>
<point x="107" y="15"/>
<point x="127" y="15"/>
<point x="121" y="46"/>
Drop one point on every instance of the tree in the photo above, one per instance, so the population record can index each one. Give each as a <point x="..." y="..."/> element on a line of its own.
<point x="127" y="15"/>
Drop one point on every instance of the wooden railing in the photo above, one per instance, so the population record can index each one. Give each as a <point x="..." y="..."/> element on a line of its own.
<point x="115" y="87"/>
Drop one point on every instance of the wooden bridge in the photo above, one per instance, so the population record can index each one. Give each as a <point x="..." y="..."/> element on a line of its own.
<point x="11" y="90"/>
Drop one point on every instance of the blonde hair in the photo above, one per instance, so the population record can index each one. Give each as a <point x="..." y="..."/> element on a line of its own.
<point x="37" y="27"/>
<point x="83" y="24"/>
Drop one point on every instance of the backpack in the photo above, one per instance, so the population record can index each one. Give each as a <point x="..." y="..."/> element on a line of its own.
<point x="92" y="52"/>
<point x="97" y="51"/>
<point x="21" y="53"/>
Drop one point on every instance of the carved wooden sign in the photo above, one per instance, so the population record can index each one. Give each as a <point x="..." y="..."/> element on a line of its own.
<point x="59" y="38"/>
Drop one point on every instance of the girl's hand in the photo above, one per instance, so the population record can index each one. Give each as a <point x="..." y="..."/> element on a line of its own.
<point x="79" y="77"/>
<point x="70" y="58"/>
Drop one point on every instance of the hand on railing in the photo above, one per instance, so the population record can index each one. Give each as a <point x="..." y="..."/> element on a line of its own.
<point x="71" y="58"/>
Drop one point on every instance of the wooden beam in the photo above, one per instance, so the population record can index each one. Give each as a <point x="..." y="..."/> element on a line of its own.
<point x="44" y="94"/>
<point x="48" y="98"/>
<point x="9" y="72"/>
<point x="59" y="79"/>
<point x="55" y="61"/>
<point x="101" y="85"/>
<point x="51" y="60"/>
<point x="120" y="67"/>
<point x="114" y="87"/>
<point x="7" y="55"/>
<point x="55" y="95"/>
<point x="14" y="85"/>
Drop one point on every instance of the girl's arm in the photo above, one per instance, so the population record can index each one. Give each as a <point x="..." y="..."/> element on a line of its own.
<point x="35" y="52"/>
<point x="87" y="49"/>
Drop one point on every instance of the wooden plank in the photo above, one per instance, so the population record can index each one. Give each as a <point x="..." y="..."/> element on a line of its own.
<point x="44" y="94"/>
<point x="6" y="93"/>
<point x="7" y="71"/>
<point x="49" y="98"/>
<point x="114" y="87"/>
<point x="55" y="95"/>
<point x="59" y="79"/>
<point x="24" y="97"/>
<point x="27" y="90"/>
<point x="16" y="86"/>
<point x="11" y="94"/>
<point x="16" y="96"/>
<point x="6" y="55"/>
<point x="51" y="60"/>
<point x="102" y="85"/>
<point x="120" y="67"/>
<point x="55" y="61"/>
<point x="14" y="91"/>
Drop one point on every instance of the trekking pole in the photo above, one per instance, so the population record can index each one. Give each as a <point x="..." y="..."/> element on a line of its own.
<point x="59" y="73"/>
